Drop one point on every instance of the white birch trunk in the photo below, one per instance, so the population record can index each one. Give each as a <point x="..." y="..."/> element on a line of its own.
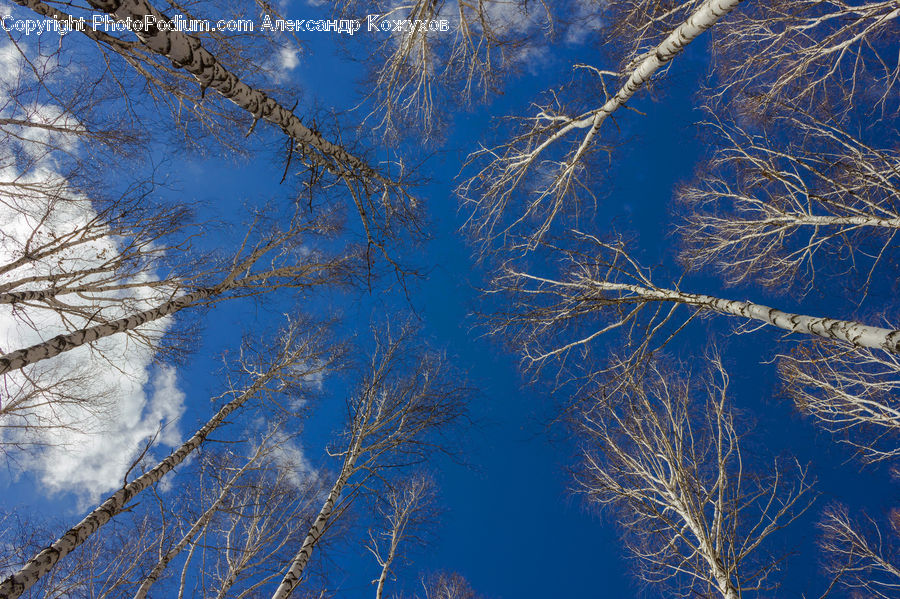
<point x="298" y="565"/>
<point x="31" y="295"/>
<point x="186" y="52"/>
<point x="849" y="331"/>
<point x="717" y="571"/>
<point x="61" y="343"/>
<point x="44" y="561"/>
<point x="164" y="561"/>
<point x="833" y="221"/>
<point x="39" y="295"/>
<point x="184" y="571"/>
<point x="854" y="333"/>
<point x="386" y="566"/>
<point x="42" y="295"/>
<point x="702" y="19"/>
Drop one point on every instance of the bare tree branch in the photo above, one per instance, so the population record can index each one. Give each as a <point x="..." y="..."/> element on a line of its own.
<point x="765" y="207"/>
<point x="666" y="452"/>
<point x="405" y="508"/>
<point x="492" y="189"/>
<point x="405" y="399"/>
<point x="810" y="53"/>
<point x="851" y="392"/>
<point x="861" y="558"/>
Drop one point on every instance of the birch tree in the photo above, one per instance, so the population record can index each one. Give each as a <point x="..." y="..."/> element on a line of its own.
<point x="379" y="195"/>
<point x="150" y="84"/>
<point x="403" y="511"/>
<point x="280" y="368"/>
<point x="405" y="398"/>
<point x="278" y="259"/>
<point x="665" y="452"/>
<point x="772" y="206"/>
<point x="232" y="478"/>
<point x="638" y="26"/>
<point x="861" y="556"/>
<point x="46" y="394"/>
<point x="603" y="288"/>
<point x="76" y="248"/>
<point x="103" y="567"/>
<point x="220" y="530"/>
<point x="69" y="246"/>
<point x="68" y="261"/>
<point x="77" y="270"/>
<point x="551" y="180"/>
<point x="835" y="54"/>
<point x="447" y="585"/>
<point x="240" y="550"/>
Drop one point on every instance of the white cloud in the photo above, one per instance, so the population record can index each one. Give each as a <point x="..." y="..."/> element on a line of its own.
<point x="289" y="456"/>
<point x="283" y="452"/>
<point x="92" y="463"/>
<point x="283" y="62"/>
<point x="586" y="21"/>
<point x="85" y="446"/>
<point x="288" y="59"/>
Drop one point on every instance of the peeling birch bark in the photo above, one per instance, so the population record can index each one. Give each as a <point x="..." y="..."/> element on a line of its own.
<point x="849" y="331"/>
<point x="33" y="295"/>
<point x="813" y="220"/>
<point x="188" y="53"/>
<point x="42" y="295"/>
<point x="586" y="294"/>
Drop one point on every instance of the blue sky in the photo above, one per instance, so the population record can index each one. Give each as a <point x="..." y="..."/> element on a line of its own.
<point x="512" y="526"/>
<point x="509" y="522"/>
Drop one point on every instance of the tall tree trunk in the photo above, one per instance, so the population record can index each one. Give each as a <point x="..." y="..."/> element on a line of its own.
<point x="849" y="331"/>
<point x="717" y="572"/>
<point x="44" y="561"/>
<point x="830" y="221"/>
<point x="188" y="53"/>
<point x="386" y="566"/>
<point x="298" y="565"/>
<point x="49" y="293"/>
<point x="702" y="19"/>
<point x="35" y="295"/>
<point x="61" y="343"/>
